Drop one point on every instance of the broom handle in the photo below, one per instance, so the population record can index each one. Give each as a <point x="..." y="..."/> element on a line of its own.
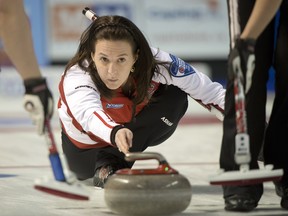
<point x="58" y="161"/>
<point x="242" y="143"/>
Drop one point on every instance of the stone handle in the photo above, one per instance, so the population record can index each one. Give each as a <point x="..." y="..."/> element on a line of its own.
<point x="132" y="156"/>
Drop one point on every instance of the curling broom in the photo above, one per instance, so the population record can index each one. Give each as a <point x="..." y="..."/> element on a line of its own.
<point x="244" y="176"/>
<point x="65" y="183"/>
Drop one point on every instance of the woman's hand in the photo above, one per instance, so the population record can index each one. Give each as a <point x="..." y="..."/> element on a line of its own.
<point x="123" y="140"/>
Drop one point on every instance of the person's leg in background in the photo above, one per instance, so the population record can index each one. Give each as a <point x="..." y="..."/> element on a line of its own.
<point x="276" y="139"/>
<point x="16" y="35"/>
<point x="246" y="198"/>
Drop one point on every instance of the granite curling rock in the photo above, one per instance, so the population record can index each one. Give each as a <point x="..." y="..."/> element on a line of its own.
<point x="138" y="192"/>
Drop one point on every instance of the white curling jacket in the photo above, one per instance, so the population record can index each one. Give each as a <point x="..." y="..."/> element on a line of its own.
<point x="88" y="119"/>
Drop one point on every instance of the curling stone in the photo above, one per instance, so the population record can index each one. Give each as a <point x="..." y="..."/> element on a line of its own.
<point x="138" y="192"/>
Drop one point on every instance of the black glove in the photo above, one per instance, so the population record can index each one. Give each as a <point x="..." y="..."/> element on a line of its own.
<point x="38" y="101"/>
<point x="241" y="61"/>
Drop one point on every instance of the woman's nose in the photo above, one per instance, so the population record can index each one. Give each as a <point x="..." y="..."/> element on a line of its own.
<point x="111" y="69"/>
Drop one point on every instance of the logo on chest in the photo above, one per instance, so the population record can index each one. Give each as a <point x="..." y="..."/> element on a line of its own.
<point x="114" y="106"/>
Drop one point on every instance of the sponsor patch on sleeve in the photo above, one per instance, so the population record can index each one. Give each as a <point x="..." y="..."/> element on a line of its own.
<point x="179" y="68"/>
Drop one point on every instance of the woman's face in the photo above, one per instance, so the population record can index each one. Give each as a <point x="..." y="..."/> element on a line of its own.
<point x="113" y="60"/>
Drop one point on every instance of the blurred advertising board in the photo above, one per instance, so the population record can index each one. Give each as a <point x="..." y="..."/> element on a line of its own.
<point x="191" y="29"/>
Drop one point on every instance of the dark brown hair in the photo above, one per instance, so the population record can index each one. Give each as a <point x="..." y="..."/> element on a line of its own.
<point x="118" y="28"/>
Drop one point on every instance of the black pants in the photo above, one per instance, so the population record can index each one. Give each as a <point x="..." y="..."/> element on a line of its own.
<point x="276" y="139"/>
<point x="256" y="102"/>
<point x="148" y="129"/>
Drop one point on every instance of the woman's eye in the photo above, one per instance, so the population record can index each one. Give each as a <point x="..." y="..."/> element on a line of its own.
<point x="103" y="59"/>
<point x="122" y="60"/>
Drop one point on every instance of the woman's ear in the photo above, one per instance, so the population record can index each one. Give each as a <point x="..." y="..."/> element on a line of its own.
<point x="136" y="56"/>
<point x="92" y="57"/>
